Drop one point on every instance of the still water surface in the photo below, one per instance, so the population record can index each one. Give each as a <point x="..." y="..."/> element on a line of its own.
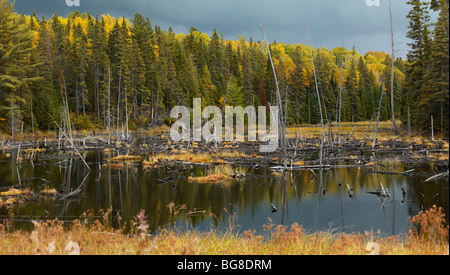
<point x="317" y="200"/>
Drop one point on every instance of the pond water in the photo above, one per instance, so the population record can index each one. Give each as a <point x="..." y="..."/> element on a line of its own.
<point x="318" y="200"/>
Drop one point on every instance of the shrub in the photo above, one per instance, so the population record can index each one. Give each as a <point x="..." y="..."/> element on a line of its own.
<point x="429" y="226"/>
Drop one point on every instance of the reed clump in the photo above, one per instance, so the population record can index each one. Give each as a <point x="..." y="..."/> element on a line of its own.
<point x="220" y="174"/>
<point x="14" y="192"/>
<point x="215" y="178"/>
<point x="127" y="158"/>
<point x="14" y="196"/>
<point x="114" y="166"/>
<point x="187" y="157"/>
<point x="49" y="192"/>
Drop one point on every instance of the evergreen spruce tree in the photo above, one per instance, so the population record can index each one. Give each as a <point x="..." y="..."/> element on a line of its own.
<point x="16" y="45"/>
<point x="353" y="92"/>
<point x="418" y="58"/>
<point x="46" y="96"/>
<point x="247" y="74"/>
<point x="143" y="35"/>
<point x="215" y="64"/>
<point x="151" y="70"/>
<point x="15" y="50"/>
<point x="435" y="96"/>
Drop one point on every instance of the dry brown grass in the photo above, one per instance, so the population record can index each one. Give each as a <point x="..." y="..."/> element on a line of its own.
<point x="115" y="166"/>
<point x="18" y="196"/>
<point x="13" y="196"/>
<point x="49" y="192"/>
<point x="127" y="158"/>
<point x="220" y="174"/>
<point x="215" y="178"/>
<point x="428" y="236"/>
<point x="360" y="128"/>
<point x="14" y="192"/>
<point x="188" y="157"/>
<point x="429" y="232"/>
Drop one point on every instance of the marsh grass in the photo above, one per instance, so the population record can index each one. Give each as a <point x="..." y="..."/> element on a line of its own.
<point x="189" y="157"/>
<point x="14" y="192"/>
<point x="359" y="130"/>
<point x="428" y="236"/>
<point x="220" y="174"/>
<point x="186" y="157"/>
<point x="127" y="158"/>
<point x="215" y="178"/>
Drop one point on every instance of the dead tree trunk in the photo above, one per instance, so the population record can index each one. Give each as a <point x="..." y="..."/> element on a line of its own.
<point x="409" y="120"/>
<point x="12" y="122"/>
<point x="432" y="128"/>
<point x="109" y="104"/>
<point x="394" y="125"/>
<point x="340" y="100"/>
<point x="320" y="105"/>
<point x="280" y="109"/>
<point x="378" y="117"/>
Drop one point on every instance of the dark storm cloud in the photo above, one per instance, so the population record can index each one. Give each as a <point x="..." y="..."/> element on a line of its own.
<point x="331" y="22"/>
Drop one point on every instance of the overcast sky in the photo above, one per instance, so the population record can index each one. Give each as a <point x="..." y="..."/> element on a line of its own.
<point x="331" y="22"/>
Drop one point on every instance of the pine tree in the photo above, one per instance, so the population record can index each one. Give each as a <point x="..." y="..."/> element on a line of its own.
<point x="247" y="74"/>
<point x="299" y="90"/>
<point x="353" y="91"/>
<point x="436" y="81"/>
<point x="15" y="52"/>
<point x="235" y="96"/>
<point x="151" y="70"/>
<point x="81" y="64"/>
<point x="98" y="63"/>
<point x="45" y="96"/>
<point x="15" y="49"/>
<point x="120" y="45"/>
<point x="207" y="88"/>
<point x="143" y="35"/>
<point x="418" y="58"/>
<point x="324" y="76"/>
<point x="215" y="64"/>
<point x="367" y="86"/>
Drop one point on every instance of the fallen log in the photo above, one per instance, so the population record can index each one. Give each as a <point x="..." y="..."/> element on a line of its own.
<point x="72" y="194"/>
<point x="406" y="173"/>
<point x="436" y="177"/>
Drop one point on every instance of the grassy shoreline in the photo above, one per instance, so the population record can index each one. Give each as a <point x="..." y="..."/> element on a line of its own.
<point x="357" y="130"/>
<point x="428" y="236"/>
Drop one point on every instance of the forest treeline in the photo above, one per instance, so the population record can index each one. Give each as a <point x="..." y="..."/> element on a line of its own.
<point x="121" y="72"/>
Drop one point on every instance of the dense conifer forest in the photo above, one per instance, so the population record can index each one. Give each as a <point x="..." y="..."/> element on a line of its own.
<point x="128" y="72"/>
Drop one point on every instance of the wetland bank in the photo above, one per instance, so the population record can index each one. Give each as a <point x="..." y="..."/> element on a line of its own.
<point x="154" y="187"/>
<point x="108" y="177"/>
<point x="194" y="186"/>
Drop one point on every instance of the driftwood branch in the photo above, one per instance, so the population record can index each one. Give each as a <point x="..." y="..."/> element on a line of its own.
<point x="436" y="177"/>
<point x="71" y="143"/>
